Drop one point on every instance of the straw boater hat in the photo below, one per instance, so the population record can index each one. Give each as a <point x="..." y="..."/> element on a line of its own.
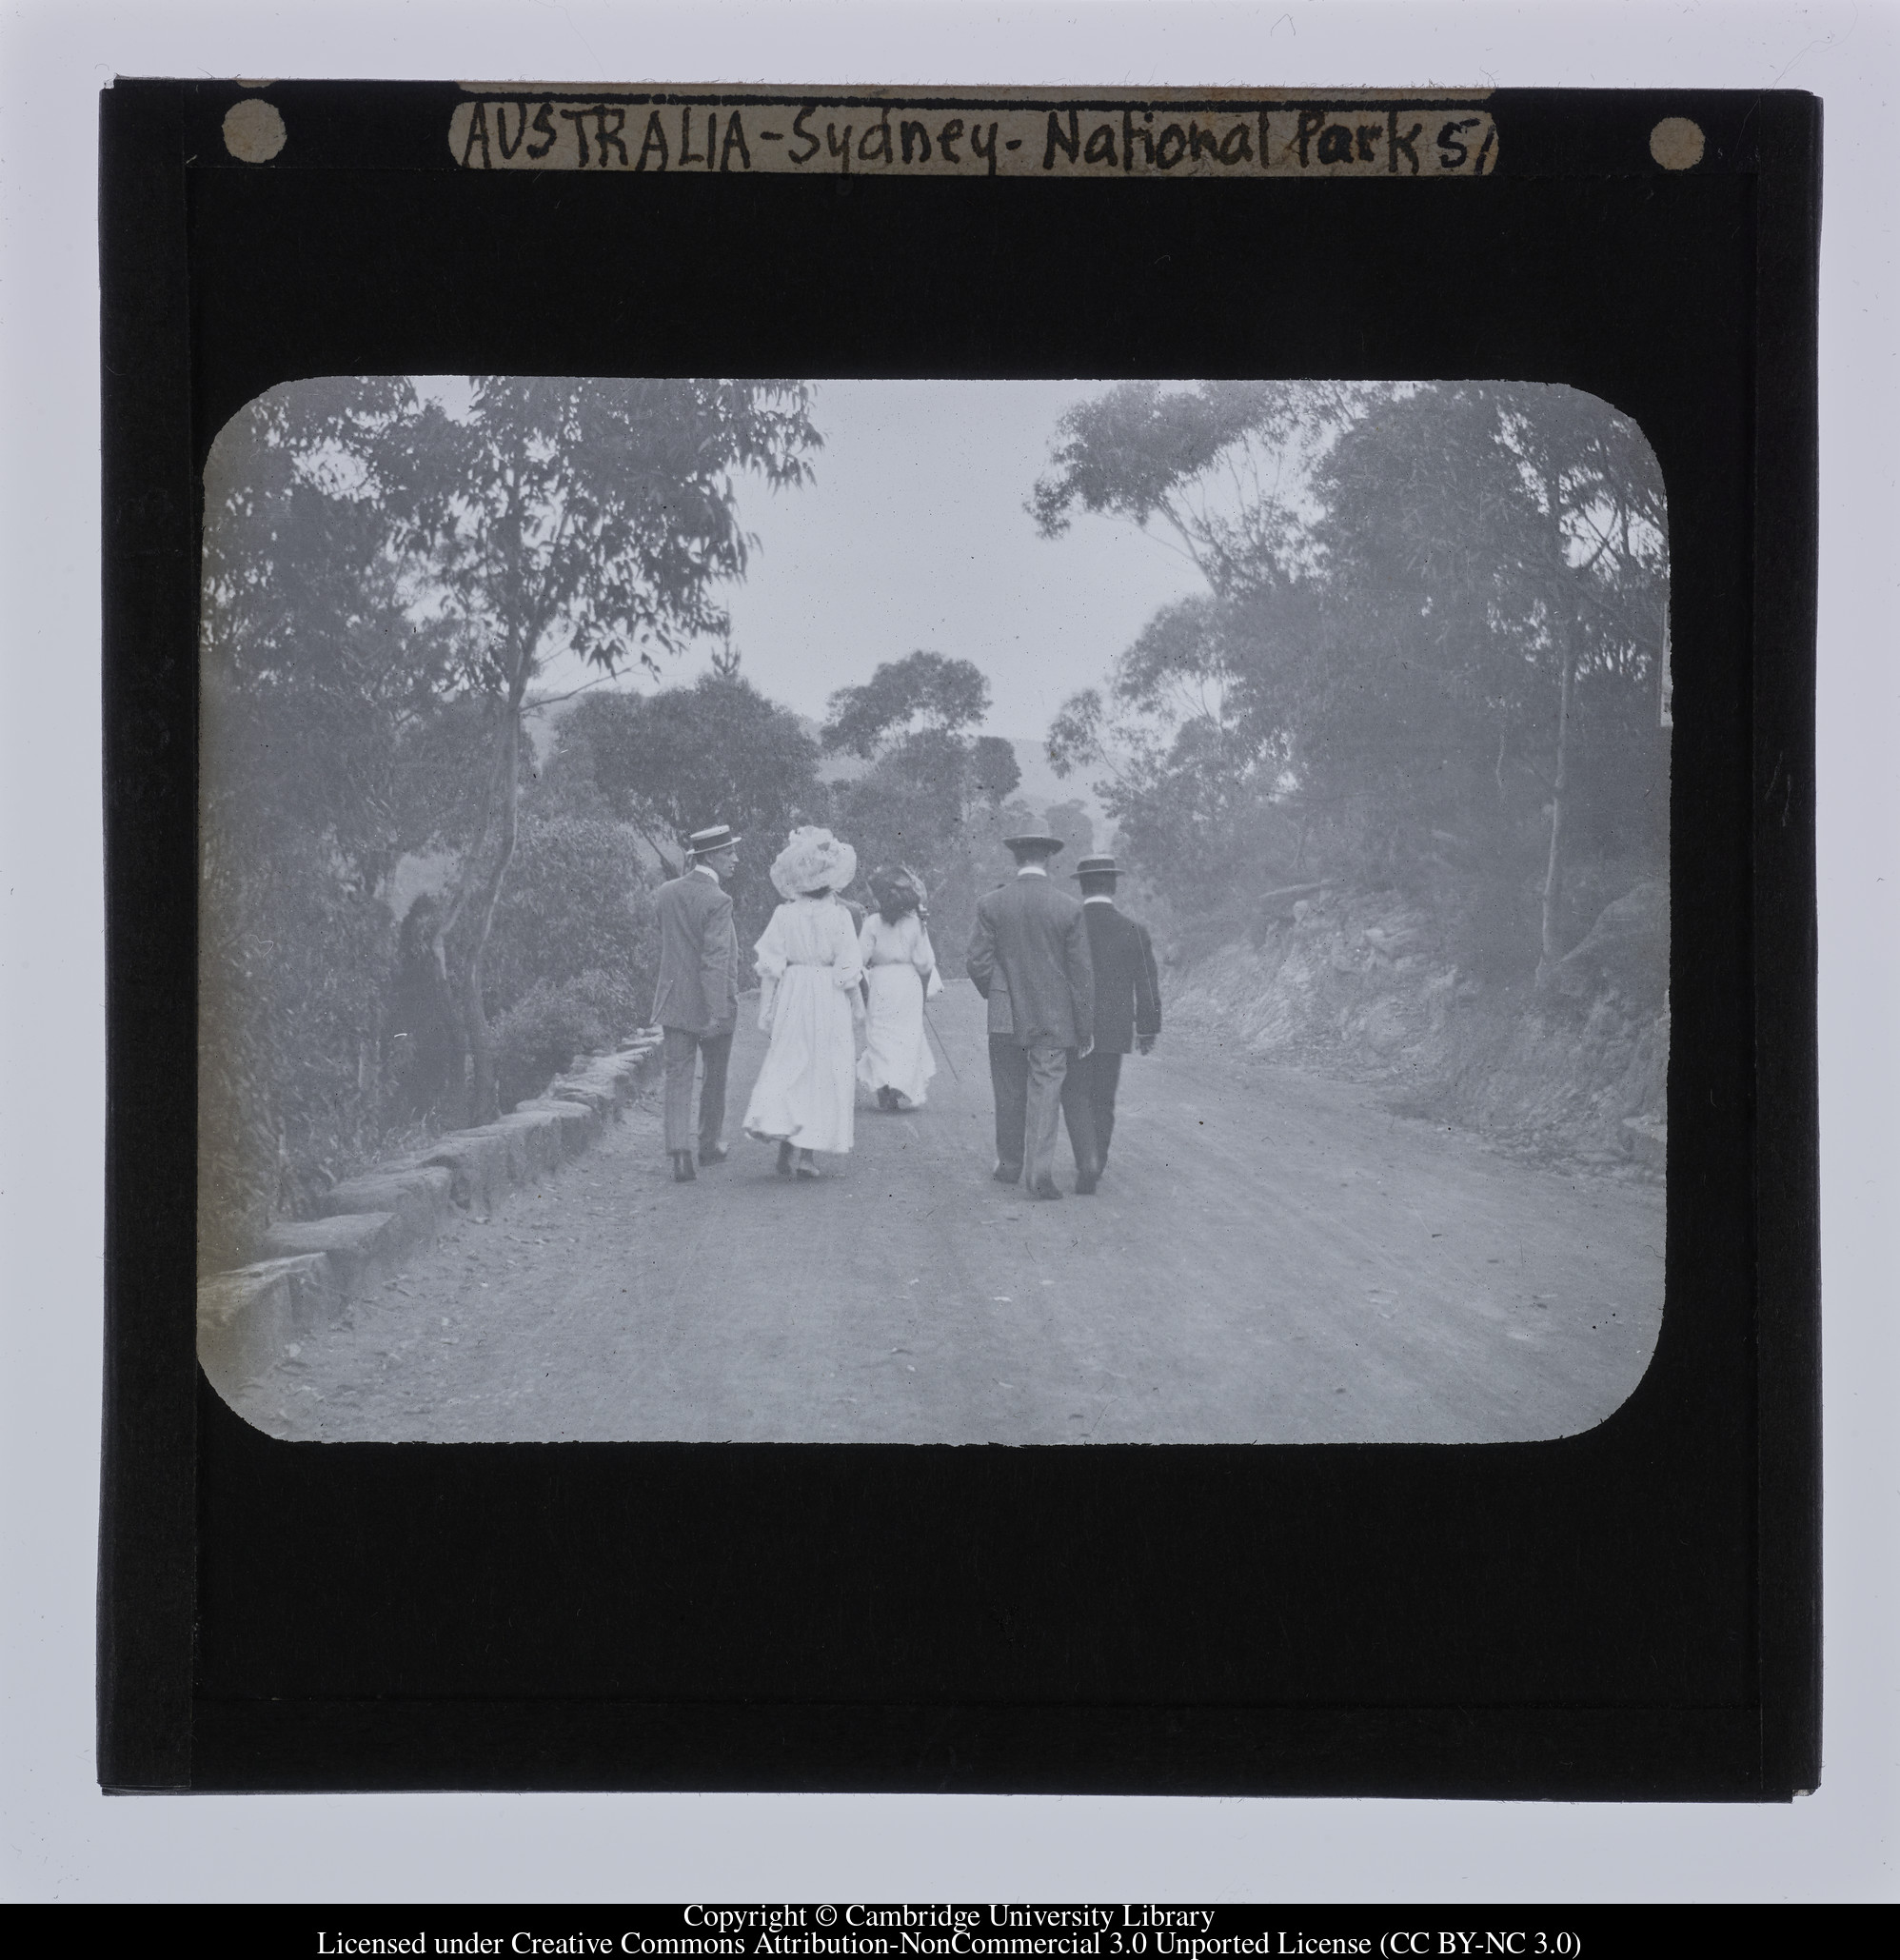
<point x="703" y="843"/>
<point x="1095" y="868"/>
<point x="813" y="858"/>
<point x="1034" y="841"/>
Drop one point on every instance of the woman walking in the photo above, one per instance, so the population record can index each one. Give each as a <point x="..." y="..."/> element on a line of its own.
<point x="808" y="974"/>
<point x="900" y="971"/>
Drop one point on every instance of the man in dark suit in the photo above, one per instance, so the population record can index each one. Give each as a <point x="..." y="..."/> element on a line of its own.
<point x="1127" y="1015"/>
<point x="697" y="1000"/>
<point x="1029" y="957"/>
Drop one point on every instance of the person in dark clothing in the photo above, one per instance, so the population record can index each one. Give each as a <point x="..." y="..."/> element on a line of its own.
<point x="1029" y="958"/>
<point x="1127" y="1015"/>
<point x="424" y="1036"/>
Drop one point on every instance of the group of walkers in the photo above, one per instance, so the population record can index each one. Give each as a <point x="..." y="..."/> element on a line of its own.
<point x="1070" y="983"/>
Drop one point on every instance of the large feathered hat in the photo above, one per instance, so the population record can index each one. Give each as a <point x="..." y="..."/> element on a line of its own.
<point x="812" y="857"/>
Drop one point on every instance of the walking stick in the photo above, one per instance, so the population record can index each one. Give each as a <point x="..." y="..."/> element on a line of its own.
<point x="941" y="1048"/>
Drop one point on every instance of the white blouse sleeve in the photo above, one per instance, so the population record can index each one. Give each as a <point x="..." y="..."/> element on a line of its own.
<point x="769" y="960"/>
<point x="847" y="965"/>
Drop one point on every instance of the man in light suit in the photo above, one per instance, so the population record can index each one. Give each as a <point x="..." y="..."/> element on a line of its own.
<point x="697" y="1000"/>
<point x="1029" y="957"/>
<point x="1127" y="1015"/>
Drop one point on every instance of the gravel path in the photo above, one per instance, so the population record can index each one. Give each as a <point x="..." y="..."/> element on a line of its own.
<point x="1270" y="1258"/>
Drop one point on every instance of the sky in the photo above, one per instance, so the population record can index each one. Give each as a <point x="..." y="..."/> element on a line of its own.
<point x="913" y="535"/>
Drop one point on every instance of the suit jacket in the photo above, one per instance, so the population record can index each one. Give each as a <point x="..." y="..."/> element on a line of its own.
<point x="1029" y="957"/>
<point x="1127" y="987"/>
<point x="699" y="957"/>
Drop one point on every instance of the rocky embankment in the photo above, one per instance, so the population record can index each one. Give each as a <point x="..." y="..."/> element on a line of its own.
<point x="1354" y="984"/>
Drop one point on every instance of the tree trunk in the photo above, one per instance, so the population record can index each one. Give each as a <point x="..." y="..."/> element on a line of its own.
<point x="1553" y="870"/>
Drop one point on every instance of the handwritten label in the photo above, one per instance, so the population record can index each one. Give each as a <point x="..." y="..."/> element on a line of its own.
<point x="999" y="136"/>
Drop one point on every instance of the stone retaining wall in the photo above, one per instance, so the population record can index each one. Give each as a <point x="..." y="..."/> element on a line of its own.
<point x="313" y="1267"/>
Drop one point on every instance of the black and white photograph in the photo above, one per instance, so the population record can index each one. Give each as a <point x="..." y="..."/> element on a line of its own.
<point x="456" y="570"/>
<point x="975" y="911"/>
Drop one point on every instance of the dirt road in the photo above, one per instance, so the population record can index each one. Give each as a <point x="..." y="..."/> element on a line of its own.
<point x="1270" y="1258"/>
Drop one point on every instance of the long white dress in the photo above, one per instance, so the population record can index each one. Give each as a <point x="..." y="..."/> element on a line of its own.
<point x="902" y="968"/>
<point x="808" y="975"/>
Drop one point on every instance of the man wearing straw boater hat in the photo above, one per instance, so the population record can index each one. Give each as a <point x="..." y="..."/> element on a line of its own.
<point x="697" y="1000"/>
<point x="1029" y="957"/>
<point x="1127" y="1015"/>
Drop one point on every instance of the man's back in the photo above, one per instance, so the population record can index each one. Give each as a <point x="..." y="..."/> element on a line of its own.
<point x="1031" y="938"/>
<point x="698" y="954"/>
<point x="1127" y="993"/>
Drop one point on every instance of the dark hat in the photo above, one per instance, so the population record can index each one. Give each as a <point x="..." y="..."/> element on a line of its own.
<point x="703" y="843"/>
<point x="1033" y="842"/>
<point x="1095" y="868"/>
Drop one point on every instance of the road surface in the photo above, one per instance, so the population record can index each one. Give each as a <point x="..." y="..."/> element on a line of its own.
<point x="1270" y="1258"/>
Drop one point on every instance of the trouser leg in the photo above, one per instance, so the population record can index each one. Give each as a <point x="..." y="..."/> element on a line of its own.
<point x="1104" y="1080"/>
<point x="1009" y="1081"/>
<point x="1047" y="1066"/>
<point x="1079" y="1113"/>
<point x="718" y="1052"/>
<point x="680" y="1048"/>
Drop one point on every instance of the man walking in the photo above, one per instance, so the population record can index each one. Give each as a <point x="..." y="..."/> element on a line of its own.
<point x="697" y="1001"/>
<point x="1127" y="1015"/>
<point x="1029" y="957"/>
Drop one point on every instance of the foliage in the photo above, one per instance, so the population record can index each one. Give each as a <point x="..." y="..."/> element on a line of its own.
<point x="587" y="516"/>
<point x="932" y="796"/>
<point x="1218" y="465"/>
<point x="293" y="969"/>
<point x="577" y="903"/>
<point x="921" y="692"/>
<point x="554" y="1022"/>
<point x="385" y="572"/>
<point x="1071" y="823"/>
<point x="717" y="752"/>
<point x="1427" y="653"/>
<point x="993" y="770"/>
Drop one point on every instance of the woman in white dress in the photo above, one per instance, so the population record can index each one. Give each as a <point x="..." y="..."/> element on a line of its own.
<point x="808" y="1003"/>
<point x="900" y="971"/>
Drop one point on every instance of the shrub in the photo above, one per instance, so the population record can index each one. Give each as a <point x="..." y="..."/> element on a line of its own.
<point x="575" y="904"/>
<point x="539" y="1035"/>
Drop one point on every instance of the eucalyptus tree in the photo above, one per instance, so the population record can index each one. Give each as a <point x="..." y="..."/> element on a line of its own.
<point x="933" y="792"/>
<point x="674" y="761"/>
<point x="1415" y="594"/>
<point x="586" y="517"/>
<point x="390" y="567"/>
<point x="1496" y="554"/>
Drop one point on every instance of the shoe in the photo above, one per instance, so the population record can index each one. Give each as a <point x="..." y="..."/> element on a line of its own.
<point x="684" y="1171"/>
<point x="1007" y="1174"/>
<point x="1085" y="1182"/>
<point x="807" y="1169"/>
<point x="887" y="1098"/>
<point x="717" y="1154"/>
<point x="785" y="1163"/>
<point x="1046" y="1189"/>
